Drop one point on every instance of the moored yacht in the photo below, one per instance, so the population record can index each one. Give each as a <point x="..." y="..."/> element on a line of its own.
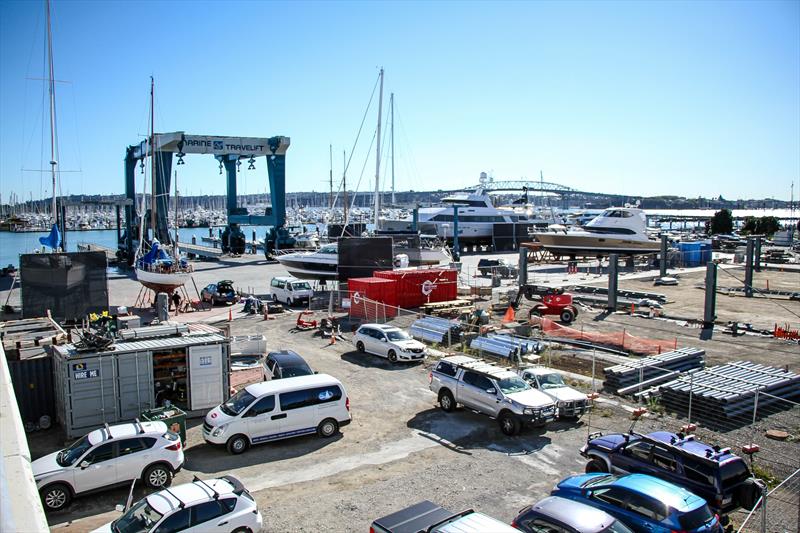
<point x="617" y="230"/>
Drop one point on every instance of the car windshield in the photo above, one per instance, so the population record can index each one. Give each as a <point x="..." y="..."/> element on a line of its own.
<point x="512" y="384"/>
<point x="301" y="286"/>
<point x="140" y="517"/>
<point x="398" y="335"/>
<point x="551" y="381"/>
<point x="598" y="481"/>
<point x="695" y="518"/>
<point x="617" y="527"/>
<point x="294" y="371"/>
<point x="69" y="455"/>
<point x="237" y="403"/>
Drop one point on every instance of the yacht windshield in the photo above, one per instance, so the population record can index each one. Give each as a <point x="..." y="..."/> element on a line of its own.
<point x="551" y="381"/>
<point x="512" y="384"/>
<point x="140" y="517"/>
<point x="237" y="403"/>
<point x="68" y="456"/>
<point x="398" y="335"/>
<point x="329" y="249"/>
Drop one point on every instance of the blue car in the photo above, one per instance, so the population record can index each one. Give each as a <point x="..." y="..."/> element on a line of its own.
<point x="645" y="503"/>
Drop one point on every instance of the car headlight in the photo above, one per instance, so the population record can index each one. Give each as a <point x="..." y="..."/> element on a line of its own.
<point x="530" y="411"/>
<point x="561" y="404"/>
<point x="218" y="431"/>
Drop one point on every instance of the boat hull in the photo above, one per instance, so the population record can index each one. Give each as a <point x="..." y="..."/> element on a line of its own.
<point x="162" y="282"/>
<point x="594" y="245"/>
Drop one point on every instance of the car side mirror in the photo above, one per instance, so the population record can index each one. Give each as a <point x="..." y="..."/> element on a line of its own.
<point x="491" y="390"/>
<point x="85" y="464"/>
<point x="119" y="508"/>
<point x="383" y="339"/>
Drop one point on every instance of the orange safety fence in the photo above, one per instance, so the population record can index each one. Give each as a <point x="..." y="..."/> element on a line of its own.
<point x="622" y="339"/>
<point x="786" y="332"/>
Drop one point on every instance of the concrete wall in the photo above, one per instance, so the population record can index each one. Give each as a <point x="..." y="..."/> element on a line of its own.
<point x="20" y="506"/>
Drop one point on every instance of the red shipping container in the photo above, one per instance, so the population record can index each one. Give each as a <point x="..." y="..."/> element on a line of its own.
<point x="372" y="298"/>
<point x="418" y="286"/>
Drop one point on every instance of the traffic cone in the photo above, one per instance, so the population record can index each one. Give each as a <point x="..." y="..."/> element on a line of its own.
<point x="333" y="338"/>
<point x="509" y="316"/>
<point x="230" y="315"/>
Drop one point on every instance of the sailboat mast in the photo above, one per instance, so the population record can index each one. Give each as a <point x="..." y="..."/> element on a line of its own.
<point x="152" y="162"/>
<point x="378" y="155"/>
<point x="391" y="103"/>
<point x="344" y="188"/>
<point x="330" y="177"/>
<point x="177" y="252"/>
<point x="52" y="91"/>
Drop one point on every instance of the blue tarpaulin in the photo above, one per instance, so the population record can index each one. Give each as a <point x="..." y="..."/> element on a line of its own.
<point x="156" y="255"/>
<point x="53" y="240"/>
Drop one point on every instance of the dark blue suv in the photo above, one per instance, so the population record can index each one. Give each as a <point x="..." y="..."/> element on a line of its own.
<point x="716" y="475"/>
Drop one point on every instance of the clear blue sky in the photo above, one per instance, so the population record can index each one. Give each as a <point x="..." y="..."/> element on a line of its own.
<point x="638" y="98"/>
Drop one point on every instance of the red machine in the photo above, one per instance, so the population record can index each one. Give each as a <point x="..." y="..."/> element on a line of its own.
<point x="304" y="324"/>
<point x="549" y="301"/>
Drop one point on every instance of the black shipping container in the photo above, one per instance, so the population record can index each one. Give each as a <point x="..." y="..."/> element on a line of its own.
<point x="33" y="387"/>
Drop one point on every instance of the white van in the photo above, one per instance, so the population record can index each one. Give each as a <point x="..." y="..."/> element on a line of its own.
<point x="290" y="290"/>
<point x="279" y="409"/>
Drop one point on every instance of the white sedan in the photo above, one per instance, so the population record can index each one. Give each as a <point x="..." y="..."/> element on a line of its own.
<point x="390" y="342"/>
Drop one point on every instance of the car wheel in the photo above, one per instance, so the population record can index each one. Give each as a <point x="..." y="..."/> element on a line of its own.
<point x="55" y="497"/>
<point x="328" y="428"/>
<point x="242" y="530"/>
<point x="238" y="444"/>
<point x="446" y="401"/>
<point x="392" y="356"/>
<point x="289" y="302"/>
<point x="596" y="466"/>
<point x="509" y="424"/>
<point x="567" y="316"/>
<point x="360" y="347"/>
<point x="157" y="476"/>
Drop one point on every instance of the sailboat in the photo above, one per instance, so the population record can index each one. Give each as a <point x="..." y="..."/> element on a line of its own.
<point x="157" y="269"/>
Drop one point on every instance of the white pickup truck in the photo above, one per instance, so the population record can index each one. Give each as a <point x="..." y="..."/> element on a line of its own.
<point x="570" y="402"/>
<point x="491" y="390"/>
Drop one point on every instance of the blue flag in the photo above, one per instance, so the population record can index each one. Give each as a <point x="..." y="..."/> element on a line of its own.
<point x="53" y="240"/>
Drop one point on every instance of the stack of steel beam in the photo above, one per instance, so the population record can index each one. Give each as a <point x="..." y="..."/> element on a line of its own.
<point x="432" y="329"/>
<point x="648" y="370"/>
<point x="731" y="390"/>
<point x="495" y="346"/>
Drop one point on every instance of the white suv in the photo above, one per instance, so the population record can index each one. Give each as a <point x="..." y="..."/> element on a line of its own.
<point x="388" y="341"/>
<point x="214" y="505"/>
<point x="108" y="456"/>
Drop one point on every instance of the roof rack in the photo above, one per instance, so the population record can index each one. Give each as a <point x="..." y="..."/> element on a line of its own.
<point x="712" y="453"/>
<point x="108" y="431"/>
<point x="181" y="503"/>
<point x="196" y="479"/>
<point x="140" y="428"/>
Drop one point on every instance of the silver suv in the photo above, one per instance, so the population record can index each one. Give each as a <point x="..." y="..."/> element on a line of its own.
<point x="491" y="390"/>
<point x="109" y="456"/>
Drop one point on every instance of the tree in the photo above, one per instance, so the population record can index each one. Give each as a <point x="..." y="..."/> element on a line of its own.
<point x="721" y="222"/>
<point x="767" y="225"/>
<point x="750" y="225"/>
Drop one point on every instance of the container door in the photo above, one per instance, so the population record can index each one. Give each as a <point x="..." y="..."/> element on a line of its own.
<point x="205" y="376"/>
<point x="92" y="394"/>
<point x="135" y="384"/>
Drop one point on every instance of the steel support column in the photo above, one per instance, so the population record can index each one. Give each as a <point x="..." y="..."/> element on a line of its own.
<point x="456" y="250"/>
<point x="613" y="282"/>
<point x="662" y="261"/>
<point x="523" y="267"/>
<point x="130" y="210"/>
<point x="757" y="252"/>
<point x="710" y="309"/>
<point x="748" y="268"/>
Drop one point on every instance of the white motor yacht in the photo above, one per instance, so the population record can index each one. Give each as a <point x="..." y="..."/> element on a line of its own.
<point x="477" y="216"/>
<point x="617" y="230"/>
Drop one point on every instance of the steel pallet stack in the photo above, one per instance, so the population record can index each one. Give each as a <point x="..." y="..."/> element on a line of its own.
<point x="640" y="374"/>
<point x="730" y="390"/>
<point x="504" y="345"/>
